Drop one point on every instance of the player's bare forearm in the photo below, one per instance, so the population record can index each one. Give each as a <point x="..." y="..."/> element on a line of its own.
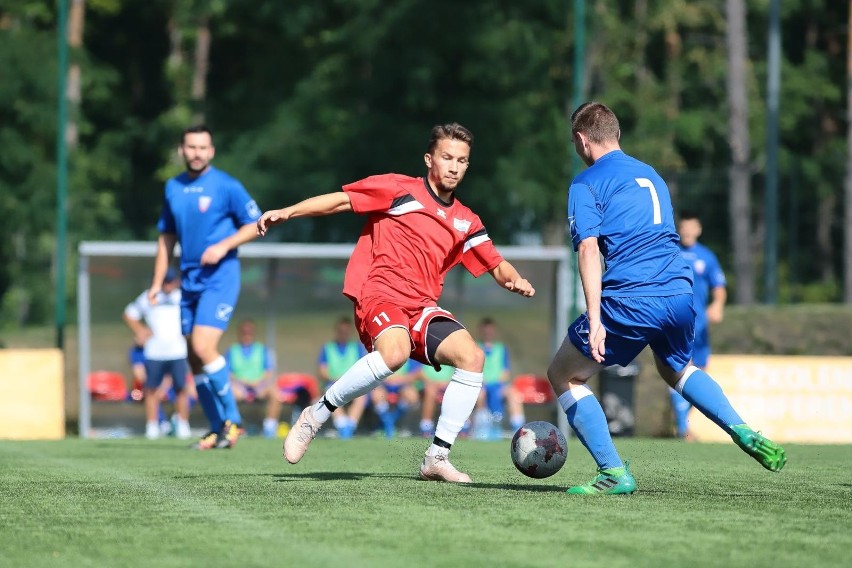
<point x="245" y="234"/>
<point x="317" y="206"/>
<point x="716" y="309"/>
<point x="508" y="277"/>
<point x="589" y="261"/>
<point x="165" y="249"/>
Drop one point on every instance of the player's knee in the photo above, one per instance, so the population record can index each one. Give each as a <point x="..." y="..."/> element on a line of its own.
<point x="395" y="355"/>
<point x="471" y="360"/>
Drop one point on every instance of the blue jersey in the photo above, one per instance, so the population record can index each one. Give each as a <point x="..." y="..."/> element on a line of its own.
<point x="706" y="273"/>
<point x="201" y="212"/>
<point x="626" y="205"/>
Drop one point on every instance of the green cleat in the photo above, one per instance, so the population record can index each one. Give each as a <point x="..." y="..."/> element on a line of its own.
<point x="769" y="454"/>
<point x="614" y="481"/>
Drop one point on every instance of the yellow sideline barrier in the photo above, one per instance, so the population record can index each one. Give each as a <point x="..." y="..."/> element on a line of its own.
<point x="32" y="394"/>
<point x="789" y="399"/>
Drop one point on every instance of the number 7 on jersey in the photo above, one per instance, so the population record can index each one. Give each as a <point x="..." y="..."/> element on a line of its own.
<point x="645" y="182"/>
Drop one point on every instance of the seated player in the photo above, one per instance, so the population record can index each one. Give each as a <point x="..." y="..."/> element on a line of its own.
<point x="392" y="399"/>
<point x="496" y="387"/>
<point x="251" y="365"/>
<point x="335" y="358"/>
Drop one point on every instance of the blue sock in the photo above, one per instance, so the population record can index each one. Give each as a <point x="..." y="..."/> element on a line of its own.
<point x="208" y="403"/>
<point x="588" y="420"/>
<point x="681" y="407"/>
<point x="706" y="395"/>
<point x="220" y="383"/>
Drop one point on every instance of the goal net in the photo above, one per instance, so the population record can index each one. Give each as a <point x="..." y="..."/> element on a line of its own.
<point x="293" y="293"/>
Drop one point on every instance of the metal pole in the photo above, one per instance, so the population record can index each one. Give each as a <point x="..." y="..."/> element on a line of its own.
<point x="61" y="170"/>
<point x="84" y="345"/>
<point x="578" y="99"/>
<point x="565" y="268"/>
<point x="770" y="264"/>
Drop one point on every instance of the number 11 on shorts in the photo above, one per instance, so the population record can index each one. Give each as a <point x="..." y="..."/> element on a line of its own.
<point x="378" y="320"/>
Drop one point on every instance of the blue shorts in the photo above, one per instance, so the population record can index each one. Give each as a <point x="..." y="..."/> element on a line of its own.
<point x="155" y="371"/>
<point x="136" y="355"/>
<point x="494" y="396"/>
<point x="212" y="302"/>
<point x="666" y="323"/>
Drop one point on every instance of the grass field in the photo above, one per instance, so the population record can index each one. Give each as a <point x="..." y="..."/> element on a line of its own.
<point x="358" y="503"/>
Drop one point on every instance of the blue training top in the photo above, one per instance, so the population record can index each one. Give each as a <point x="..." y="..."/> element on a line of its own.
<point x="201" y="212"/>
<point x="626" y="205"/>
<point x="707" y="274"/>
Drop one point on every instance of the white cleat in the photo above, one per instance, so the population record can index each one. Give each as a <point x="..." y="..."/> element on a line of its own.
<point x="301" y="435"/>
<point x="439" y="468"/>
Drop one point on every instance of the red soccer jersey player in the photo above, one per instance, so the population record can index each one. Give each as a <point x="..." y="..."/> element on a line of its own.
<point x="415" y="233"/>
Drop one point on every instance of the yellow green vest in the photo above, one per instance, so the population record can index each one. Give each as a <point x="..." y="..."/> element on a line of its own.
<point x="247" y="368"/>
<point x="494" y="363"/>
<point x="338" y="363"/>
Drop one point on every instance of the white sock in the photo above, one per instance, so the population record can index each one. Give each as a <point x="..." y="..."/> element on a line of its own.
<point x="270" y="424"/>
<point x="362" y="377"/>
<point x="459" y="400"/>
<point x="339" y="421"/>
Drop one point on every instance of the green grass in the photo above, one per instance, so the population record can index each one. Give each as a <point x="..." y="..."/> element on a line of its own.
<point x="359" y="503"/>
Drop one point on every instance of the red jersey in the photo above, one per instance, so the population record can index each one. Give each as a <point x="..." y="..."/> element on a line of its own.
<point x="411" y="240"/>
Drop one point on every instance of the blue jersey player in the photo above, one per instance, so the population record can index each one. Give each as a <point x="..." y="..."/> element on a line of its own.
<point x="709" y="296"/>
<point x="211" y="214"/>
<point x="620" y="208"/>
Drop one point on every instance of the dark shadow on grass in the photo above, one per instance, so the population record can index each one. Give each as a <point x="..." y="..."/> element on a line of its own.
<point x="527" y="488"/>
<point x="131" y="445"/>
<point x="356" y="476"/>
<point x="337" y="476"/>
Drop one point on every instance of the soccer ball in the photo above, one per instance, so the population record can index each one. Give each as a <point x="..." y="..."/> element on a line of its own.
<point x="538" y="449"/>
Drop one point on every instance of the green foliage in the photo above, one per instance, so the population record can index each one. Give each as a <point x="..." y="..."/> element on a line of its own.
<point x="304" y="97"/>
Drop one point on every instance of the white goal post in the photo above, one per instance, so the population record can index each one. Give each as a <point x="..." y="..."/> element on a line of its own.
<point x="90" y="251"/>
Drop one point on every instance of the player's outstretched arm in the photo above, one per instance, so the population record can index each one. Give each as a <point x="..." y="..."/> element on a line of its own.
<point x="326" y="204"/>
<point x="165" y="250"/>
<point x="508" y="277"/>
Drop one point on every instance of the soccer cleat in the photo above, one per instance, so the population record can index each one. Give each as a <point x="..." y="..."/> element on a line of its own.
<point x="439" y="468"/>
<point x="301" y="435"/>
<point x="229" y="435"/>
<point x="767" y="453"/>
<point x="208" y="441"/>
<point x="615" y="481"/>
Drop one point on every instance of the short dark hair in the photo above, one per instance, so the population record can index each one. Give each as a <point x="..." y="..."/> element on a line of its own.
<point x="487" y="320"/>
<point x="344" y="321"/>
<point x="596" y="121"/>
<point x="688" y="215"/>
<point x="453" y="131"/>
<point x="195" y="129"/>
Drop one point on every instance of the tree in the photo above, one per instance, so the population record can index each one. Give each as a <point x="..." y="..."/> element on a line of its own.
<point x="739" y="199"/>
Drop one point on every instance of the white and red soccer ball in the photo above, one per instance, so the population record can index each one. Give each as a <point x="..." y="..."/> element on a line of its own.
<point x="539" y="449"/>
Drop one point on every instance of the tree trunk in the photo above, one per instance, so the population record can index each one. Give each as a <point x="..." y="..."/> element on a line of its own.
<point x="847" y="208"/>
<point x="739" y="198"/>
<point x="199" y="72"/>
<point x="73" y="90"/>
